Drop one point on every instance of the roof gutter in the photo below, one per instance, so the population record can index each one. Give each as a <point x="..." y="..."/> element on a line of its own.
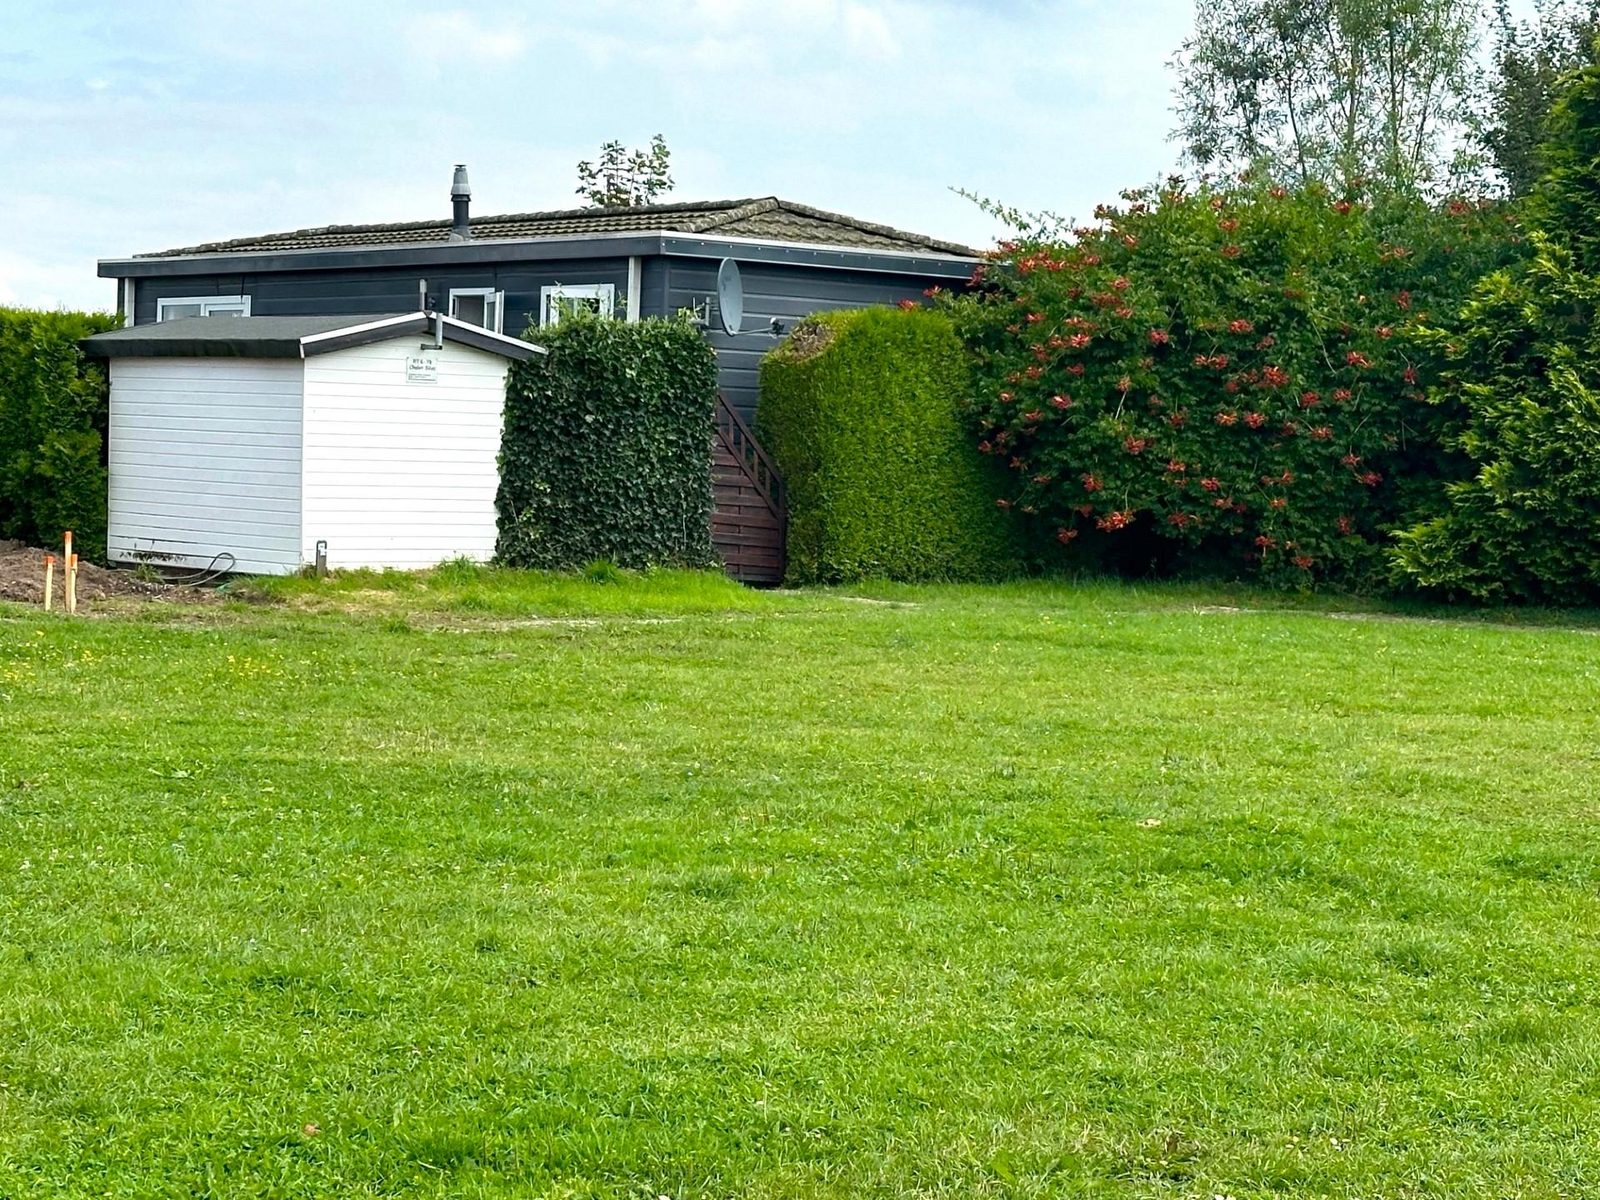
<point x="496" y="250"/>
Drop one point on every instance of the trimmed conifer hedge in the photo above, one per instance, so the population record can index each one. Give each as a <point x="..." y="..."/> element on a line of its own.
<point x="862" y="412"/>
<point x="1517" y="365"/>
<point x="607" y="447"/>
<point x="53" y="414"/>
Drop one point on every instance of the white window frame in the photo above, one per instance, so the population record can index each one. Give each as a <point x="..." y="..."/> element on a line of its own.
<point x="206" y="303"/>
<point x="550" y="312"/>
<point x="498" y="298"/>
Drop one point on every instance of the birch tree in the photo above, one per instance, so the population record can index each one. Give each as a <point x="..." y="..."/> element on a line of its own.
<point x="1343" y="92"/>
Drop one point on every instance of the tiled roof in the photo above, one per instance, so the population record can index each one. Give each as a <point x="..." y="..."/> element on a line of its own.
<point x="768" y="219"/>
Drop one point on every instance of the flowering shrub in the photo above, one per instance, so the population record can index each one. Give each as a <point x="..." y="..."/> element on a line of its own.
<point x="1223" y="376"/>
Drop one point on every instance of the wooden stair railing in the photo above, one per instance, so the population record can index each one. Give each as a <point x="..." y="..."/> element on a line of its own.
<point x="749" y="518"/>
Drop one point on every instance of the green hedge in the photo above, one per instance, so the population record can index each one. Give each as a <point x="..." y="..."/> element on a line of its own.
<point x="862" y="412"/>
<point x="53" y="405"/>
<point x="607" y="447"/>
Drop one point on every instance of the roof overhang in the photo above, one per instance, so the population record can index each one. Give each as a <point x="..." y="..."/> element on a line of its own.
<point x="926" y="264"/>
<point x="267" y="337"/>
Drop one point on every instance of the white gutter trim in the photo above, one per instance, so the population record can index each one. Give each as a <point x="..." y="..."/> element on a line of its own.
<point x="480" y="331"/>
<point x="309" y="342"/>
<point x="635" y="286"/>
<point x="313" y="338"/>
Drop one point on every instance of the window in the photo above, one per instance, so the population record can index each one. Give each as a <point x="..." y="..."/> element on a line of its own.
<point x="478" y="306"/>
<point x="566" y="298"/>
<point x="171" y="308"/>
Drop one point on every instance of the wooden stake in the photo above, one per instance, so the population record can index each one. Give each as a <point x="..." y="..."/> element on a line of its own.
<point x="69" y="572"/>
<point x="49" y="580"/>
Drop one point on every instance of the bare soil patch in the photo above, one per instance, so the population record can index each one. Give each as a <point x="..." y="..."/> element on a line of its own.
<point x="22" y="580"/>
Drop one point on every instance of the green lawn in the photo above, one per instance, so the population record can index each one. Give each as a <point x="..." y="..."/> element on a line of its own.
<point x="498" y="885"/>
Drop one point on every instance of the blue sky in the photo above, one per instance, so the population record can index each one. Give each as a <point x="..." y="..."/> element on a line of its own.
<point x="132" y="127"/>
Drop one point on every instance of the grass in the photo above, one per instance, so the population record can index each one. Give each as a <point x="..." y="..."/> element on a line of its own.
<point x="496" y="885"/>
<point x="465" y="587"/>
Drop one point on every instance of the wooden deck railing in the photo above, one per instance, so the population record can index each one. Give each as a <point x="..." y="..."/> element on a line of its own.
<point x="749" y="519"/>
<point x="742" y="444"/>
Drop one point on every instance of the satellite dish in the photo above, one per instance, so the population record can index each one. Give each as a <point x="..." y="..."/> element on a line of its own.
<point x="730" y="296"/>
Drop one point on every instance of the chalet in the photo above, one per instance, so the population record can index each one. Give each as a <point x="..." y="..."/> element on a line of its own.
<point x="512" y="274"/>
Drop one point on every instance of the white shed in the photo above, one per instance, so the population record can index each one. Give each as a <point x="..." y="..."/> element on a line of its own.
<point x="259" y="437"/>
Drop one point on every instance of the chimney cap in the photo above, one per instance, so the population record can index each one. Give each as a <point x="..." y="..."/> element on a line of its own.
<point x="458" y="185"/>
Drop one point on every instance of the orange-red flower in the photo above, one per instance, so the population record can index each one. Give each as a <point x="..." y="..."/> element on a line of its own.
<point x="1111" y="522"/>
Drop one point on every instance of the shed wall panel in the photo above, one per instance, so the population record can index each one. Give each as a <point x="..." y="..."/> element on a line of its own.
<point x="204" y="458"/>
<point x="400" y="473"/>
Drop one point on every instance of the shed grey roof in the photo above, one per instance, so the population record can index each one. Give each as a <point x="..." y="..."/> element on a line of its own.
<point x="765" y="219"/>
<point x="290" y="337"/>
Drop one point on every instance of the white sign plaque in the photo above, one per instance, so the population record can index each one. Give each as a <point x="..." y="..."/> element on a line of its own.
<point x="422" y="367"/>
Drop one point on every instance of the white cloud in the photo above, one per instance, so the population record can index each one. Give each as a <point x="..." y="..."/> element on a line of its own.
<point x="867" y="32"/>
<point x="458" y="38"/>
<point x="720" y="12"/>
<point x="234" y="121"/>
<point x="29" y="282"/>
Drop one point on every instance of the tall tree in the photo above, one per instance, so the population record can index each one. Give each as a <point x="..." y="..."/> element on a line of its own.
<point x="1333" y="91"/>
<point x="623" y="178"/>
<point x="1511" y="121"/>
<point x="1519" y="365"/>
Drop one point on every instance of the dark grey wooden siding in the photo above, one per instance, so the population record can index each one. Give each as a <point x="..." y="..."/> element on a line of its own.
<point x="667" y="285"/>
<point x="385" y="289"/>
<point x="785" y="292"/>
<point x="653" y="287"/>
